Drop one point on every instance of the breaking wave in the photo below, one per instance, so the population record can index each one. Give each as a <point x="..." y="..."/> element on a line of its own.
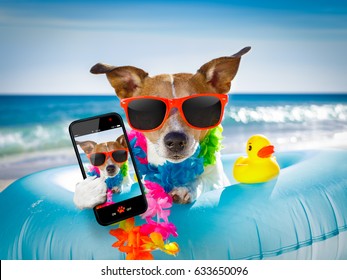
<point x="287" y="113"/>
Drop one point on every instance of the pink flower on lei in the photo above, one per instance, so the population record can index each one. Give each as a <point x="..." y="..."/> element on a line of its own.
<point x="158" y="202"/>
<point x="157" y="191"/>
<point x="156" y="207"/>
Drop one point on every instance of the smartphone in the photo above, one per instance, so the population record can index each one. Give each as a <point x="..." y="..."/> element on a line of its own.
<point x="102" y="149"/>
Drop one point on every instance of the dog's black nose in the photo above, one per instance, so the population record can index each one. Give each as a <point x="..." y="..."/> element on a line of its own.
<point x="110" y="168"/>
<point x="175" y="141"/>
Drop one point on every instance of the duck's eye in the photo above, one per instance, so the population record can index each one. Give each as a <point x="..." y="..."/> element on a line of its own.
<point x="249" y="148"/>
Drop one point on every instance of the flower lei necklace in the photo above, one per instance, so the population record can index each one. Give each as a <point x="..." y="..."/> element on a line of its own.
<point x="171" y="174"/>
<point x="139" y="241"/>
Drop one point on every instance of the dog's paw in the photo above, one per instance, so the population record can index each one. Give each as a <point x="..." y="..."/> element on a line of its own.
<point x="115" y="190"/>
<point x="181" y="195"/>
<point x="90" y="192"/>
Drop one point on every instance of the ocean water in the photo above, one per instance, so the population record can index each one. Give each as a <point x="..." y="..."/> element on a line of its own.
<point x="40" y="123"/>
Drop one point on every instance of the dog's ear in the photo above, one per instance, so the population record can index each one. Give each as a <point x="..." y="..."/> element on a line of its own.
<point x="218" y="73"/>
<point x="87" y="146"/>
<point x="126" y="80"/>
<point x="121" y="141"/>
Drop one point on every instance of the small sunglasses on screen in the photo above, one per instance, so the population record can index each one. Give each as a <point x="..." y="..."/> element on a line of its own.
<point x="199" y="111"/>
<point x="98" y="159"/>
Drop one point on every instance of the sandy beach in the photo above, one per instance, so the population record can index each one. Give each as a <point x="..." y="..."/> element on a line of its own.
<point x="18" y="166"/>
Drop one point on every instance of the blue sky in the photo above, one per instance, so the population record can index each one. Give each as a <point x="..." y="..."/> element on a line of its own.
<point x="48" y="47"/>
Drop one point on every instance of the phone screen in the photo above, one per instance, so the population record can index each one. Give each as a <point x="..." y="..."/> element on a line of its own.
<point x="102" y="149"/>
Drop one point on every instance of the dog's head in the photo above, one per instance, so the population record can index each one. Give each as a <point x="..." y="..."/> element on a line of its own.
<point x="109" y="167"/>
<point x="175" y="140"/>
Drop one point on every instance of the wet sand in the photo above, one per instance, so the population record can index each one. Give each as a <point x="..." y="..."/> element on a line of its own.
<point x="15" y="167"/>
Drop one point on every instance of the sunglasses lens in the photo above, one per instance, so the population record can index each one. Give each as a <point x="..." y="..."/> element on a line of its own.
<point x="146" y="114"/>
<point x="97" y="159"/>
<point x="202" y="111"/>
<point x="120" y="155"/>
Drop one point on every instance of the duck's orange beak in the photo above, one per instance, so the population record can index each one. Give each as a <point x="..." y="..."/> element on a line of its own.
<point x="266" y="151"/>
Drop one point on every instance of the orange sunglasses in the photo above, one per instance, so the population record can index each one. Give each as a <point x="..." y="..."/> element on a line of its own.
<point x="98" y="159"/>
<point x="199" y="111"/>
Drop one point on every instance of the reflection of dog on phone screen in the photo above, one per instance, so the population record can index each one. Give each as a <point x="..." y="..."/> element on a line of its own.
<point x="109" y="158"/>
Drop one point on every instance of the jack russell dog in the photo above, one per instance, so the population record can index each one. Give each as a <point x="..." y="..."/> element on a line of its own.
<point x="175" y="113"/>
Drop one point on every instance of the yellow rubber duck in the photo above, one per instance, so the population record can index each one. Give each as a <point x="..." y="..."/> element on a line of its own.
<point x="260" y="166"/>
